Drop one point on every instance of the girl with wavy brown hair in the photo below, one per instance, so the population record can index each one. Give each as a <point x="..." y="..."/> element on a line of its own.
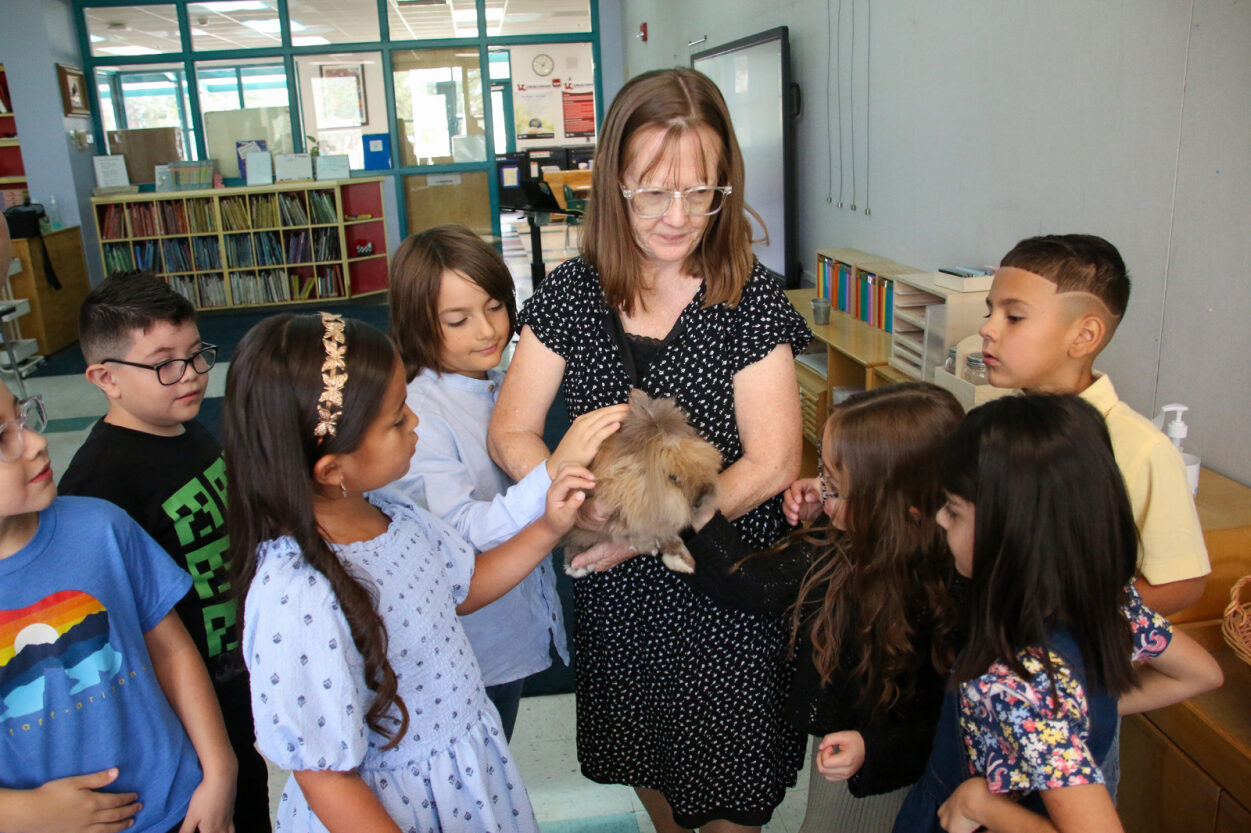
<point x="866" y="593"/>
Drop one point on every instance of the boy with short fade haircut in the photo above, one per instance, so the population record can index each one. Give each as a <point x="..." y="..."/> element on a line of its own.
<point x="149" y="456"/>
<point x="1054" y="305"/>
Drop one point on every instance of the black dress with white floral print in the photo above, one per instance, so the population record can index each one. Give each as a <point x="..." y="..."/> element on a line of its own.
<point x="675" y="692"/>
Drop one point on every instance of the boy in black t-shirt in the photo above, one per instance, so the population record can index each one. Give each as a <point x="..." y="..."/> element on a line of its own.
<point x="151" y="457"/>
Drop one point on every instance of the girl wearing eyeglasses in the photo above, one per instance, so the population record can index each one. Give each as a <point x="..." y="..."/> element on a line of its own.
<point x="667" y="297"/>
<point x="865" y="591"/>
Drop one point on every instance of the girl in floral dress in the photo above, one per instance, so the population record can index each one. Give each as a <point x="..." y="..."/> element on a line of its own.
<point x="1037" y="516"/>
<point x="363" y="682"/>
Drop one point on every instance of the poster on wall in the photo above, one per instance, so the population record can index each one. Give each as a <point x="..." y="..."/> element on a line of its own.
<point x="535" y="109"/>
<point x="577" y="102"/>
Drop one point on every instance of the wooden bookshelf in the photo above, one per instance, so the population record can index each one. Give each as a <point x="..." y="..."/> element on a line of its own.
<point x="291" y="242"/>
<point x="846" y="353"/>
<point x="12" y="171"/>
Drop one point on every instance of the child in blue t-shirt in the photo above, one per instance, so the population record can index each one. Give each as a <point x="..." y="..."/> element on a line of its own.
<point x="106" y="710"/>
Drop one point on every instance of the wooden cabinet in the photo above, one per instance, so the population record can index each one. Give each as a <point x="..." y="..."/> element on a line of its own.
<point x="272" y="244"/>
<point x="53" y="317"/>
<point x="1187" y="768"/>
<point x="1189" y="800"/>
<point x="845" y="353"/>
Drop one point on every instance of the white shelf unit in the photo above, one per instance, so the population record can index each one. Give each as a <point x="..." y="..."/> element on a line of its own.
<point x="929" y="319"/>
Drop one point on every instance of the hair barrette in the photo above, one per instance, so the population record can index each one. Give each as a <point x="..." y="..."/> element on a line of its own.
<point x="333" y="377"/>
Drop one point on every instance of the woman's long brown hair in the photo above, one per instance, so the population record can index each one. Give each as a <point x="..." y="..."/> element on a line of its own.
<point x="680" y="101"/>
<point x="892" y="559"/>
<point x="270" y="413"/>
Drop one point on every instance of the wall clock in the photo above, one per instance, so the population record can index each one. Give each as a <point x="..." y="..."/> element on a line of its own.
<point x="543" y="64"/>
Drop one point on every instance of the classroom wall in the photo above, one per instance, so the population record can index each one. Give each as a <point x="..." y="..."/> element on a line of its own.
<point x="980" y="122"/>
<point x="37" y="35"/>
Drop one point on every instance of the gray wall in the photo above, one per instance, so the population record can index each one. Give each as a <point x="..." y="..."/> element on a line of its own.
<point x="35" y="36"/>
<point x="991" y="120"/>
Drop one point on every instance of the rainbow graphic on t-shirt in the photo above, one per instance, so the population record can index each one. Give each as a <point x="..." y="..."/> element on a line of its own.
<point x="66" y="632"/>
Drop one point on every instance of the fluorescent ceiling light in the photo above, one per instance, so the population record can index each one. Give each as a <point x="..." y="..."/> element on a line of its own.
<point x="270" y="26"/>
<point x="127" y="50"/>
<point x="234" y="6"/>
<point x="309" y="40"/>
<point x="471" y="15"/>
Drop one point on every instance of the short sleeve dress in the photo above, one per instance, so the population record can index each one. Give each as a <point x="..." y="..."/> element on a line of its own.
<point x="453" y="769"/>
<point x="676" y="692"/>
<point x="1025" y="736"/>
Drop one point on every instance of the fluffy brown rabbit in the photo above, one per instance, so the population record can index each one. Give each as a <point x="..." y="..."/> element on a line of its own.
<point x="651" y="477"/>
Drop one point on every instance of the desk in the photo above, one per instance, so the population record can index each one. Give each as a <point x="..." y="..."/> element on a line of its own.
<point x="579" y="181"/>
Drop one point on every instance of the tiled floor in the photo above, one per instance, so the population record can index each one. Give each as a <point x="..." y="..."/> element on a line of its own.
<point x="563" y="800"/>
<point x="543" y="742"/>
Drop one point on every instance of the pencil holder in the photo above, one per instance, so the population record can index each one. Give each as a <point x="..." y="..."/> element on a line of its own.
<point x="1237" y="624"/>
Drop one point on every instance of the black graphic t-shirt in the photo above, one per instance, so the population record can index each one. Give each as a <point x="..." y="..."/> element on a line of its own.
<point x="175" y="488"/>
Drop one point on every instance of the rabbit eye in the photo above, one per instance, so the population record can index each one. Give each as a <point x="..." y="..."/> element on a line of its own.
<point x="675" y="478"/>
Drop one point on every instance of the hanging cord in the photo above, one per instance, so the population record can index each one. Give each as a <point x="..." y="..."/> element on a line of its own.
<point x="829" y="148"/>
<point x="852" y="104"/>
<point x="868" y="97"/>
<point x="838" y="94"/>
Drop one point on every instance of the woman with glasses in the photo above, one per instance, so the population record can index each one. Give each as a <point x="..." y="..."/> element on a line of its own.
<point x="677" y="696"/>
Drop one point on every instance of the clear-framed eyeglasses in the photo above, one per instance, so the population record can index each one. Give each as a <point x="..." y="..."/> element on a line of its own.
<point x="32" y="415"/>
<point x="171" y="371"/>
<point x="826" y="492"/>
<point x="700" y="201"/>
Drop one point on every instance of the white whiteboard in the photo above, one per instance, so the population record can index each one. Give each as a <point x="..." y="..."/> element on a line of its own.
<point x="753" y="76"/>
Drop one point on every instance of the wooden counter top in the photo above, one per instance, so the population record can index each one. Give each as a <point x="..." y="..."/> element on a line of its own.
<point x="864" y="344"/>
<point x="1224" y="508"/>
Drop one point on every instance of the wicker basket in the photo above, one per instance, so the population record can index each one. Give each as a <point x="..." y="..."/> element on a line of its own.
<point x="1237" y="624"/>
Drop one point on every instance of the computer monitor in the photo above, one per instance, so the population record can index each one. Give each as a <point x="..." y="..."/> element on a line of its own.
<point x="581" y="155"/>
<point x="540" y="158"/>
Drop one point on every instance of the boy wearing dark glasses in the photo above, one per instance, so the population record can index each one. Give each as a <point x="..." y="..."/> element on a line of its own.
<point x="150" y="456"/>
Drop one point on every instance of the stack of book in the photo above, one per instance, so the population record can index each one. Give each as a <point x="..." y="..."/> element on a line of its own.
<point x="858" y="291"/>
<point x="191" y="176"/>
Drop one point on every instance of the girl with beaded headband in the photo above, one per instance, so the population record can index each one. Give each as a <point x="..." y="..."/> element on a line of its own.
<point x="351" y="592"/>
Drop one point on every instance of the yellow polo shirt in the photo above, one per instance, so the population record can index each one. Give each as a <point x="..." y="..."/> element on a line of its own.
<point x="1172" y="547"/>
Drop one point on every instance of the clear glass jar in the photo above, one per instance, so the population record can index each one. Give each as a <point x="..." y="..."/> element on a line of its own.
<point x="975" y="369"/>
<point x="950" y="364"/>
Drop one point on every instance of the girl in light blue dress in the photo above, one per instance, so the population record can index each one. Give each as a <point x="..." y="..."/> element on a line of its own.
<point x="363" y="683"/>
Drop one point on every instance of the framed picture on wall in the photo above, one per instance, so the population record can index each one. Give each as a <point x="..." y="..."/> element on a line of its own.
<point x="342" y="96"/>
<point x="73" y="90"/>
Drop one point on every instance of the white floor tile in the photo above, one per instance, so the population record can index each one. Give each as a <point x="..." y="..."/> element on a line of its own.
<point x="217" y="380"/>
<point x="557" y="788"/>
<point x="68" y="396"/>
<point x="550" y="717"/>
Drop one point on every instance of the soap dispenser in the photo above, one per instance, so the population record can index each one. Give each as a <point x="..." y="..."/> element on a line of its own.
<point x="1177" y="430"/>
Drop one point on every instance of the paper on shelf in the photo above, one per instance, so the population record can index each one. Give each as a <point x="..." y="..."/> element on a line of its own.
<point x="110" y="171"/>
<point x="289" y="166"/>
<point x="333" y="166"/>
<point x="259" y="166"/>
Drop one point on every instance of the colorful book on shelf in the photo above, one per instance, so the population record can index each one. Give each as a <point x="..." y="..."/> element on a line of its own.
<point x="321" y="206"/>
<point x="117" y="258"/>
<point x="145" y="254"/>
